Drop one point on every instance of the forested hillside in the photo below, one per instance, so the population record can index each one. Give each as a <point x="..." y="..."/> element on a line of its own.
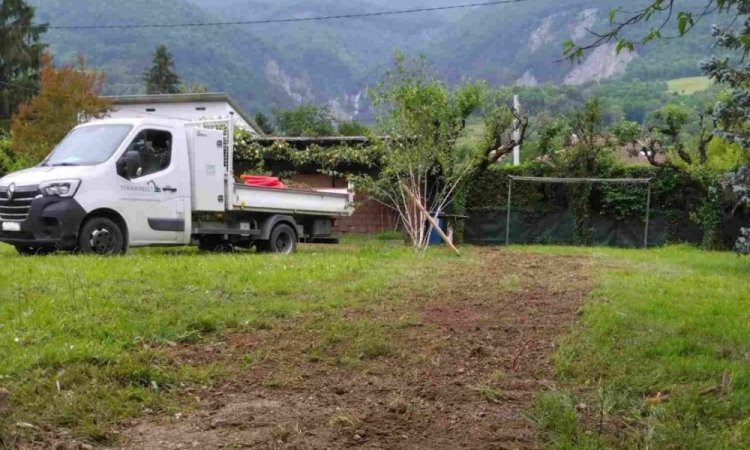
<point x="270" y="65"/>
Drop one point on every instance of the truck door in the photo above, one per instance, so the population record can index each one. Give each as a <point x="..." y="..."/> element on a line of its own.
<point x="152" y="186"/>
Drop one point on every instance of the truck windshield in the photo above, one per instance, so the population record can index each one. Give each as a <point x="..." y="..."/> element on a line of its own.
<point x="87" y="146"/>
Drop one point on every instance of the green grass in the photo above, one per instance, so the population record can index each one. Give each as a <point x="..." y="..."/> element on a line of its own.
<point x="82" y="339"/>
<point x="688" y="86"/>
<point x="670" y="320"/>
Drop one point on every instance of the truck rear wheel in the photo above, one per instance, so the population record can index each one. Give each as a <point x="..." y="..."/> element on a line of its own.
<point x="101" y="236"/>
<point x="283" y="240"/>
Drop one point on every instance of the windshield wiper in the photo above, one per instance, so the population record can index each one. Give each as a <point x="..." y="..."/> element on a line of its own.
<point x="64" y="164"/>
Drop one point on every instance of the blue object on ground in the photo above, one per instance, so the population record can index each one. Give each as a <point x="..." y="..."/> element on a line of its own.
<point x="435" y="238"/>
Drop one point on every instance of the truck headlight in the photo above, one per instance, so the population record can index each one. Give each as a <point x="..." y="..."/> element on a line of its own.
<point x="61" y="188"/>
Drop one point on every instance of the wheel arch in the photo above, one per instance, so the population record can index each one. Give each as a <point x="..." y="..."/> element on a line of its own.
<point x="271" y="222"/>
<point x="112" y="215"/>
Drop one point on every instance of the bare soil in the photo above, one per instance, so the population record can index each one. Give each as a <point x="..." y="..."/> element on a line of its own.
<point x="464" y="373"/>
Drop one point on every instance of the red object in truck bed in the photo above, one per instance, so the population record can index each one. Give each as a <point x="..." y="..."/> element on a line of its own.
<point x="262" y="181"/>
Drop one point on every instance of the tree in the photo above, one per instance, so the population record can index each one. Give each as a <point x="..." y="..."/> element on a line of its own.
<point x="264" y="123"/>
<point x="305" y="120"/>
<point x="161" y="78"/>
<point x="421" y="163"/>
<point x="660" y="139"/>
<point x="7" y="158"/>
<point x="66" y="95"/>
<point x="20" y="52"/>
<point x="737" y="186"/>
<point x="352" y="128"/>
<point x="500" y="121"/>
<point x="590" y="146"/>
<point x="551" y="134"/>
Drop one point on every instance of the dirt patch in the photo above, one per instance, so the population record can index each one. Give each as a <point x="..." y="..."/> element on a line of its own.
<point x="463" y="371"/>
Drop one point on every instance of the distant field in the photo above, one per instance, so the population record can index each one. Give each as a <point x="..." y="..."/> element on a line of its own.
<point x="687" y="86"/>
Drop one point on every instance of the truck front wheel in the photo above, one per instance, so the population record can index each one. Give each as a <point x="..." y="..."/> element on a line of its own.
<point x="283" y="240"/>
<point x="101" y="236"/>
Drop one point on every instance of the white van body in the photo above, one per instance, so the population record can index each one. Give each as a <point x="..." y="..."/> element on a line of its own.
<point x="187" y="195"/>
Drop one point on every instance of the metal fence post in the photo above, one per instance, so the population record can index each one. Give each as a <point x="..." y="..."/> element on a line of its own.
<point x="507" y="220"/>
<point x="648" y="214"/>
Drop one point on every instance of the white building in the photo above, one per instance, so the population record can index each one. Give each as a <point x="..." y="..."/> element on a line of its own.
<point x="189" y="107"/>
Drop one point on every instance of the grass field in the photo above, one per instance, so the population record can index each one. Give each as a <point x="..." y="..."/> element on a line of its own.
<point x="660" y="358"/>
<point x="80" y="337"/>
<point x="689" y="85"/>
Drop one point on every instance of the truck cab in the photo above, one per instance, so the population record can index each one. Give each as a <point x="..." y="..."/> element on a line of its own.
<point x="115" y="183"/>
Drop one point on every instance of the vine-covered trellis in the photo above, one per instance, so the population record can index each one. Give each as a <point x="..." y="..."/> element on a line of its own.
<point x="329" y="156"/>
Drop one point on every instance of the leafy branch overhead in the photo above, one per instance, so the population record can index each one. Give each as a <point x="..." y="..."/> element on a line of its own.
<point x="662" y="13"/>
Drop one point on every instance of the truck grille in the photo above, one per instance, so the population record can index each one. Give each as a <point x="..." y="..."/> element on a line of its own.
<point x="17" y="208"/>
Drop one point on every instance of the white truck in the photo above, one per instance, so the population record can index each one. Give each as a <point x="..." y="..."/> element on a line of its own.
<point x="118" y="183"/>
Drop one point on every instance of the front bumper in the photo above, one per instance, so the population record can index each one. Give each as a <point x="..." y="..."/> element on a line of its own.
<point x="52" y="222"/>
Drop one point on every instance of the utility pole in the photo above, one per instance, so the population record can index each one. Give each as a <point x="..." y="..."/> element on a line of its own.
<point x="516" y="131"/>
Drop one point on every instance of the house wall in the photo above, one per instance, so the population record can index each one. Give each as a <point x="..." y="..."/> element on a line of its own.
<point x="185" y="111"/>
<point x="369" y="216"/>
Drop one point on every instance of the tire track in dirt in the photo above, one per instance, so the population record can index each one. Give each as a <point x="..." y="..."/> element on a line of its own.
<point x="464" y="374"/>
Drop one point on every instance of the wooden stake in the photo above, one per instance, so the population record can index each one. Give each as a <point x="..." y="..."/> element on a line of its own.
<point x="435" y="225"/>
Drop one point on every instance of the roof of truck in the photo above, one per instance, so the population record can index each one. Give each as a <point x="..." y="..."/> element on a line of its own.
<point x="135" y="121"/>
<point x="204" y="97"/>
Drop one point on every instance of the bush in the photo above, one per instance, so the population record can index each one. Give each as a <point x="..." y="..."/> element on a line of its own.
<point x="9" y="160"/>
<point x="743" y="243"/>
<point x="5" y="154"/>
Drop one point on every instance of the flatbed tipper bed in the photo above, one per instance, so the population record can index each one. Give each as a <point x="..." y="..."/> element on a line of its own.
<point x="329" y="202"/>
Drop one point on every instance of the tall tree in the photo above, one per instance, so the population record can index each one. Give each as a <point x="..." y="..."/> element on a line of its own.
<point x="66" y="95"/>
<point x="20" y="52"/>
<point x="161" y="78"/>
<point x="423" y="165"/>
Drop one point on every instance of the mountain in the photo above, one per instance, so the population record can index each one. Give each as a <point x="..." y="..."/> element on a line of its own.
<point x="333" y="61"/>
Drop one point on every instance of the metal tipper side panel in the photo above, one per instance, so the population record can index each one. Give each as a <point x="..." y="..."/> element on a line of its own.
<point x="296" y="201"/>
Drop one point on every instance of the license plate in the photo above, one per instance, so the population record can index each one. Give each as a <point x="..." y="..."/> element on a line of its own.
<point x="11" y="226"/>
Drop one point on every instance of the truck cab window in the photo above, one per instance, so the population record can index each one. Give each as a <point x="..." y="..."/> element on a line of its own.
<point x="152" y="149"/>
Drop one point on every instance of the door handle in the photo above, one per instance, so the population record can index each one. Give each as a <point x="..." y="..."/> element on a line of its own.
<point x="169" y="189"/>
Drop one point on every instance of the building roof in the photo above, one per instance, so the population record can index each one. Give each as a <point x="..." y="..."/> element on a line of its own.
<point x="320" y="140"/>
<point x="207" y="97"/>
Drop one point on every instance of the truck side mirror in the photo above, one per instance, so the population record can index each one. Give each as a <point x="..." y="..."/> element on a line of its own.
<point x="129" y="166"/>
